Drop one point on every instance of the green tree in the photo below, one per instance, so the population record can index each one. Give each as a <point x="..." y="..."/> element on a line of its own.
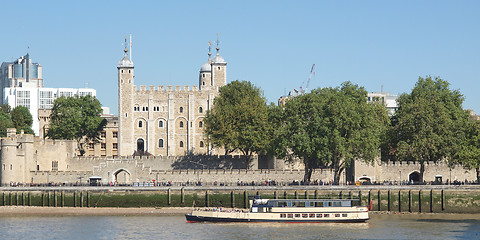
<point x="5" y="122"/>
<point x="238" y="120"/>
<point x="469" y="154"/>
<point x="429" y="123"/>
<point x="76" y="118"/>
<point x="330" y="127"/>
<point x="22" y="119"/>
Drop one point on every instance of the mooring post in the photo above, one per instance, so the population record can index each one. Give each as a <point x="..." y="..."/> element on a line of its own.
<point x="16" y="198"/>
<point x="169" y="197"/>
<point x="182" y="195"/>
<point x="360" y="197"/>
<point x="206" y="199"/>
<point x="23" y="198"/>
<point x="399" y="201"/>
<point x="369" y="200"/>
<point x="340" y="195"/>
<point x="29" y="199"/>
<point x="62" y="199"/>
<point x="285" y="195"/>
<point x="245" y="199"/>
<point x="420" y="201"/>
<point x="88" y="199"/>
<point x="306" y="194"/>
<point x="74" y="198"/>
<point x="431" y="200"/>
<point x="232" y="199"/>
<point x="43" y="198"/>
<point x="55" y="198"/>
<point x="315" y="194"/>
<point x="296" y="194"/>
<point x="409" y="200"/>
<point x="388" y="200"/>
<point x="275" y="195"/>
<point x="81" y="199"/>
<point x="443" y="201"/>
<point x="379" y="200"/>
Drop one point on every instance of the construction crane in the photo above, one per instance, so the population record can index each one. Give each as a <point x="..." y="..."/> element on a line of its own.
<point x="312" y="74"/>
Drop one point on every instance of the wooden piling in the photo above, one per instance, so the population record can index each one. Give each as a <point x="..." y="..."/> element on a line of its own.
<point x="81" y="199"/>
<point x="419" y="201"/>
<point x="369" y="199"/>
<point x="275" y="195"/>
<point x="399" y="201"/>
<point x="431" y="200"/>
<point x="443" y="201"/>
<point x="379" y="200"/>
<point x="232" y="199"/>
<point x="389" y="200"/>
<point x="409" y="200"/>
<point x="169" y="196"/>
<point x="182" y="195"/>
<point x="245" y="199"/>
<point x="62" y="199"/>
<point x="43" y="198"/>
<point x="74" y="199"/>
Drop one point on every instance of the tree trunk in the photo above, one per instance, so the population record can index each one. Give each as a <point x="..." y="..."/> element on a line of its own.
<point x="422" y="170"/>
<point x="478" y="174"/>
<point x="337" y="172"/>
<point x="308" y="174"/>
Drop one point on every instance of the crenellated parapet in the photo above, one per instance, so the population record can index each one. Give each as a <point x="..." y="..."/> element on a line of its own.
<point x="167" y="89"/>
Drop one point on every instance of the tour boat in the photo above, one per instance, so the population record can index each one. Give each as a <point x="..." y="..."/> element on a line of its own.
<point x="286" y="210"/>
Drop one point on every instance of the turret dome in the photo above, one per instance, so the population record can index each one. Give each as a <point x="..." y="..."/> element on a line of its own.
<point x="206" y="67"/>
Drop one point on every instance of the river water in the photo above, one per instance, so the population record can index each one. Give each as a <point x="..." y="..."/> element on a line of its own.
<point x="397" y="226"/>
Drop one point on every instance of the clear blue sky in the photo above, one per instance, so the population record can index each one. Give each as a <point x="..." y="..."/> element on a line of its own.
<point x="273" y="44"/>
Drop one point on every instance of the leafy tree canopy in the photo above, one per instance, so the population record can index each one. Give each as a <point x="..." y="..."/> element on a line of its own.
<point x="5" y="122"/>
<point x="329" y="127"/>
<point x="429" y="123"/>
<point x="469" y="154"/>
<point x="76" y="118"/>
<point x="238" y="119"/>
<point x="22" y="119"/>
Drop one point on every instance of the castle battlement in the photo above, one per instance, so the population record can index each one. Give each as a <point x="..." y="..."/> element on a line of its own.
<point x="168" y="88"/>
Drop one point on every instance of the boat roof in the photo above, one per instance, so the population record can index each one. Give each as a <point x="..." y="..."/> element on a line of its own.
<point x="310" y="200"/>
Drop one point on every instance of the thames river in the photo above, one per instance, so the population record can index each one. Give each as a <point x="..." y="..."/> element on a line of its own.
<point x="395" y="226"/>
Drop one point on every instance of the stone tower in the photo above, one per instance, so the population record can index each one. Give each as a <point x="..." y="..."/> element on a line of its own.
<point x="125" y="105"/>
<point x="219" y="70"/>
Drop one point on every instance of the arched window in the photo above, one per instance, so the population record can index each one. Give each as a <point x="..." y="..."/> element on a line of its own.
<point x="181" y="109"/>
<point x="160" y="123"/>
<point x="203" y="83"/>
<point x="181" y="124"/>
<point x="200" y="124"/>
<point x="181" y="144"/>
<point x="160" y="143"/>
<point x="200" y="109"/>
<point x="140" y="124"/>
<point x="201" y="144"/>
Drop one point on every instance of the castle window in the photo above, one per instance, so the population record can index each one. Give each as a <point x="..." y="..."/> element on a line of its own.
<point x="143" y="109"/>
<point x="129" y="80"/>
<point x="122" y="70"/>
<point x="181" y="124"/>
<point x="181" y="144"/>
<point x="146" y="109"/>
<point x="181" y="109"/>
<point x="160" y="143"/>
<point x="200" y="109"/>
<point x="91" y="146"/>
<point x="218" y="68"/>
<point x="140" y="124"/>
<point x="115" y="146"/>
<point x="3" y="166"/>
<point x="201" y="144"/>
<point x="200" y="124"/>
<point x="115" y="134"/>
<point x="11" y="166"/>
<point x="54" y="165"/>
<point x="104" y="146"/>
<point x="129" y="71"/>
<point x="203" y="75"/>
<point x="160" y="124"/>
<point x="126" y="114"/>
<point x="103" y="134"/>
<point x="203" y="83"/>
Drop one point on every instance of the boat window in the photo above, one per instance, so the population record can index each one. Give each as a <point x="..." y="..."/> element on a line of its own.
<point x="283" y="215"/>
<point x="289" y="204"/>
<point x="337" y="204"/>
<point x="269" y="209"/>
<point x="304" y="215"/>
<point x="319" y="204"/>
<point x="344" y="215"/>
<point x="319" y="215"/>
<point x="297" y="215"/>
<point x="301" y="204"/>
<point x="312" y="215"/>
<point x="326" y="215"/>
<point x="290" y="215"/>
<point x="337" y="215"/>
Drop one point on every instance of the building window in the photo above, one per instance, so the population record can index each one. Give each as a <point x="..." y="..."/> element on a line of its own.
<point x="218" y="68"/>
<point x="160" y="124"/>
<point x="181" y="109"/>
<point x="54" y="165"/>
<point x="104" y="146"/>
<point x="160" y="143"/>
<point x="91" y="146"/>
<point x="140" y="124"/>
<point x="203" y="83"/>
<point x="201" y="144"/>
<point x="200" y="124"/>
<point x="200" y="110"/>
<point x="203" y="75"/>
<point x="181" y="144"/>
<point x="103" y="134"/>
<point x="181" y="124"/>
<point x="115" y="146"/>
<point x="115" y="134"/>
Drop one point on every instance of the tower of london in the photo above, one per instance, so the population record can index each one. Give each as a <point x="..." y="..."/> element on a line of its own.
<point x="166" y="121"/>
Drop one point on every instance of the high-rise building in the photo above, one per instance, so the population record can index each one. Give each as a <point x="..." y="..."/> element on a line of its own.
<point x="21" y="84"/>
